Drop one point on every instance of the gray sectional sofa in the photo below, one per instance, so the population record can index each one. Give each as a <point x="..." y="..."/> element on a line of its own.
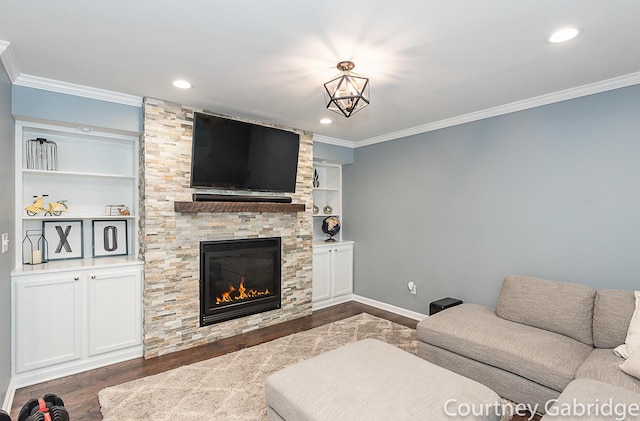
<point x="540" y="338"/>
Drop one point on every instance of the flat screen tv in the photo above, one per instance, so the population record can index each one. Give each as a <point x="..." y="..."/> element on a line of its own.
<point x="236" y="155"/>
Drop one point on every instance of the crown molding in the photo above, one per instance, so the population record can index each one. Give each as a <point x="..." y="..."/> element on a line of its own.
<point x="333" y="141"/>
<point x="9" y="60"/>
<point x="37" y="82"/>
<point x="564" y="95"/>
<point x="12" y="67"/>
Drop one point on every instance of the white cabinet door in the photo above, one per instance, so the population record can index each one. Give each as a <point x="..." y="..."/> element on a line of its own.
<point x="66" y="322"/>
<point x="114" y="310"/>
<point x="48" y="321"/>
<point x="321" y="274"/>
<point x="332" y="274"/>
<point x="342" y="261"/>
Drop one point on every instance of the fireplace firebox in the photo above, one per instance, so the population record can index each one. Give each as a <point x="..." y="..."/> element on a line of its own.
<point x="239" y="278"/>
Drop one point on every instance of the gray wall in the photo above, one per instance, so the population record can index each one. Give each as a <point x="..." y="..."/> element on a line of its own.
<point x="332" y="153"/>
<point x="552" y="192"/>
<point x="44" y="105"/>
<point x="6" y="225"/>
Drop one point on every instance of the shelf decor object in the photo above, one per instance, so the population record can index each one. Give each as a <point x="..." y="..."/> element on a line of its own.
<point x="316" y="181"/>
<point x="54" y="208"/>
<point x="64" y="238"/>
<point x="116" y="210"/>
<point x="347" y="93"/>
<point x="42" y="154"/>
<point x="37" y="206"/>
<point x="331" y="227"/>
<point x="110" y="238"/>
<point x="34" y="248"/>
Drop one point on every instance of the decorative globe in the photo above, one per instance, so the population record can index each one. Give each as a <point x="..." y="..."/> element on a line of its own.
<point x="330" y="226"/>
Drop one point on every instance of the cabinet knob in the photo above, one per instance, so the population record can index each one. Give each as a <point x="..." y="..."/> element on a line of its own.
<point x="93" y="276"/>
<point x="77" y="278"/>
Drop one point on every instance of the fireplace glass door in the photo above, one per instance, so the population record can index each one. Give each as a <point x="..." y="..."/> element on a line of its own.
<point x="239" y="278"/>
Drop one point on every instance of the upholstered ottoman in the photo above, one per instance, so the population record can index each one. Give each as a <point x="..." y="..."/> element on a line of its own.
<point x="372" y="380"/>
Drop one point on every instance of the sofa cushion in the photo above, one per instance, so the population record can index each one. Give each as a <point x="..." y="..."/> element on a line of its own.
<point x="476" y="332"/>
<point x="612" y="313"/>
<point x="590" y="400"/>
<point x="559" y="307"/>
<point x="603" y="365"/>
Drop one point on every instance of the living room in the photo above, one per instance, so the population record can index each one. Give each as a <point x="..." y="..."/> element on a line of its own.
<point x="546" y="187"/>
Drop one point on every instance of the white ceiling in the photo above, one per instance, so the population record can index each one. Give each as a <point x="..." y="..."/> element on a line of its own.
<point x="428" y="60"/>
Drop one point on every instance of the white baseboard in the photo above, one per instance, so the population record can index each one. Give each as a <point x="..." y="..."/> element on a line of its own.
<point x="46" y="374"/>
<point x="388" y="307"/>
<point x="331" y="302"/>
<point x="8" y="398"/>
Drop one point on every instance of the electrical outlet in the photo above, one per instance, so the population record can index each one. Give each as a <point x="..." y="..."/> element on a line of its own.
<point x="5" y="242"/>
<point x="412" y="287"/>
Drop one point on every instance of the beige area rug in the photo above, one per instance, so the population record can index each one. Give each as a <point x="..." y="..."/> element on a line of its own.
<point x="231" y="387"/>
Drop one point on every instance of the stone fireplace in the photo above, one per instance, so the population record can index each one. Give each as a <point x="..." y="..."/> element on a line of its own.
<point x="170" y="240"/>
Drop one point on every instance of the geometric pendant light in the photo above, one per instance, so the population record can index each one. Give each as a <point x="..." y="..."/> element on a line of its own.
<point x="347" y="93"/>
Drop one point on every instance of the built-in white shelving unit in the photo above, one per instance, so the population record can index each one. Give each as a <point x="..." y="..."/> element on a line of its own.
<point x="94" y="169"/>
<point x="327" y="198"/>
<point x="88" y="309"/>
<point x="332" y="261"/>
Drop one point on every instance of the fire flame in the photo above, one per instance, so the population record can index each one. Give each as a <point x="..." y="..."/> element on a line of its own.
<point x="242" y="293"/>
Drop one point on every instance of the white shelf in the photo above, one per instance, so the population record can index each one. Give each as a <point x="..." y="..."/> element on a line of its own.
<point x="94" y="154"/>
<point x="325" y="189"/>
<point x="32" y="129"/>
<point x="66" y="216"/>
<point x="329" y="176"/>
<point x="322" y="243"/>
<point x="329" y="192"/>
<point x="76" y="174"/>
<point x="87" y="262"/>
<point x="94" y="169"/>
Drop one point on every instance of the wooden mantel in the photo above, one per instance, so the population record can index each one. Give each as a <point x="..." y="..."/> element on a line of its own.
<point x="194" y="207"/>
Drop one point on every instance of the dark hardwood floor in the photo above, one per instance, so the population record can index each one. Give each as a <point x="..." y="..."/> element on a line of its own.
<point x="80" y="391"/>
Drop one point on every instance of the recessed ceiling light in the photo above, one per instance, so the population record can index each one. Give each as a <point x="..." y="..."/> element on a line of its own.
<point x="564" y="34"/>
<point x="325" y="121"/>
<point x="182" y="84"/>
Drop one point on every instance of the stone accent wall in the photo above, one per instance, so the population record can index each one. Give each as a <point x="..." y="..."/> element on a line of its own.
<point x="170" y="241"/>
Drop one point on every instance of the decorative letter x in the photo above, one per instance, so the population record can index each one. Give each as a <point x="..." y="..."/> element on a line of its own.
<point x="64" y="242"/>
